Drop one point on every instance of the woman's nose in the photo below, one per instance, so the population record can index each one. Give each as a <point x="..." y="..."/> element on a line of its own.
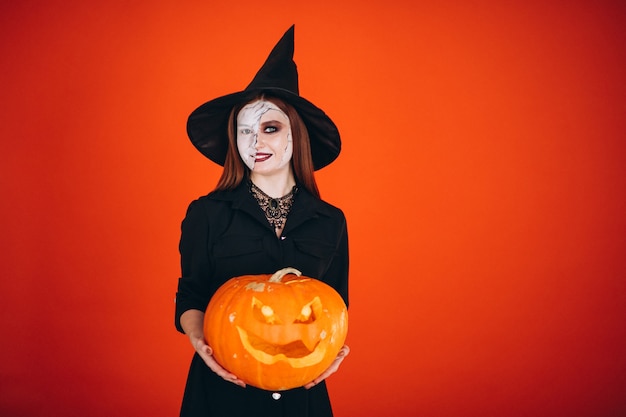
<point x="258" y="140"/>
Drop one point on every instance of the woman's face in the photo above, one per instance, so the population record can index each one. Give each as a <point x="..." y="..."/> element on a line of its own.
<point x="264" y="137"/>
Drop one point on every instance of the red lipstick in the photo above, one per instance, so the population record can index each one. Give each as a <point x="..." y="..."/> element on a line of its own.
<point x="260" y="157"/>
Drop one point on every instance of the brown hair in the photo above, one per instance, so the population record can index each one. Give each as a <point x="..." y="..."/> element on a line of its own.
<point x="235" y="171"/>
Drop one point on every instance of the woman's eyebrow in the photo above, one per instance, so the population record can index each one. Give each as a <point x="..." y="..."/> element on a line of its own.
<point x="272" y="121"/>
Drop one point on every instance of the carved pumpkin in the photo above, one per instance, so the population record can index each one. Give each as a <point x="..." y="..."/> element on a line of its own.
<point x="277" y="332"/>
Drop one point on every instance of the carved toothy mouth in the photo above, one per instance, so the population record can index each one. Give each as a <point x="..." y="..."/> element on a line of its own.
<point x="294" y="353"/>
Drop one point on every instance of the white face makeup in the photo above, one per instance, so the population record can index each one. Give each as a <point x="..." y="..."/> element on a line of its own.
<point x="264" y="137"/>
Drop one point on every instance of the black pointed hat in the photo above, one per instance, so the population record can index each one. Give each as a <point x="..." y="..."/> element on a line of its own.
<point x="207" y="126"/>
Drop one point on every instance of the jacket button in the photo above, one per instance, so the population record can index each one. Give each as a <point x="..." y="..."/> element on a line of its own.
<point x="276" y="395"/>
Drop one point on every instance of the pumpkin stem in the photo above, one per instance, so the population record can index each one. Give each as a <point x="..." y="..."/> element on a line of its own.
<point x="278" y="275"/>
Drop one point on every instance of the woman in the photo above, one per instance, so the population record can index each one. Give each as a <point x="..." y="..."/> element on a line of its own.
<point x="265" y="214"/>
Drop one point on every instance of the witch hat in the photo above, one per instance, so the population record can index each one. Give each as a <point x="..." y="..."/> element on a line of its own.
<point x="207" y="126"/>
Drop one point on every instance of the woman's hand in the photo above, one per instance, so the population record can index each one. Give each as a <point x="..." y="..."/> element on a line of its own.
<point x="206" y="353"/>
<point x="192" y="323"/>
<point x="345" y="350"/>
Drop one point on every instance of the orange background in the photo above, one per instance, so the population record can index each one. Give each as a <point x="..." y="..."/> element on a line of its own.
<point x="482" y="174"/>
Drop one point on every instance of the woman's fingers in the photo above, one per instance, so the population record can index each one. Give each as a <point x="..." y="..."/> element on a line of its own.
<point x="343" y="352"/>
<point x="206" y="353"/>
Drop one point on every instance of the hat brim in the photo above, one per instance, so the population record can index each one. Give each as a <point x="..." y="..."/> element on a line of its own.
<point x="207" y="126"/>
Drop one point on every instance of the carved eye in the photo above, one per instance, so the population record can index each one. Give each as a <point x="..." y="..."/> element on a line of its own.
<point x="267" y="311"/>
<point x="264" y="313"/>
<point x="308" y="313"/>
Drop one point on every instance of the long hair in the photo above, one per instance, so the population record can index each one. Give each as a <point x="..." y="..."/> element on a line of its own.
<point x="235" y="171"/>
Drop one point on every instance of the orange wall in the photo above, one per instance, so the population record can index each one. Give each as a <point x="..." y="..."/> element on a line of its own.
<point x="483" y="176"/>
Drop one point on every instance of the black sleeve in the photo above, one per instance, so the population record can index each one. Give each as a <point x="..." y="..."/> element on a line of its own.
<point x="337" y="273"/>
<point x="193" y="285"/>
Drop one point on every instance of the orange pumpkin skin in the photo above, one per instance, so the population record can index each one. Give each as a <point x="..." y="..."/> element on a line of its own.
<point x="276" y="332"/>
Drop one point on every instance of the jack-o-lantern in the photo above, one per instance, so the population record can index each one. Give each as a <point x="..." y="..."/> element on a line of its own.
<point x="277" y="332"/>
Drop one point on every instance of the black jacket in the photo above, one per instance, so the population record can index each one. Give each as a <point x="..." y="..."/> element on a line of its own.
<point x="225" y="234"/>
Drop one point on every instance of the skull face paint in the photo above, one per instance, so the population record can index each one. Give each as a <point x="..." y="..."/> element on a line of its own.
<point x="264" y="137"/>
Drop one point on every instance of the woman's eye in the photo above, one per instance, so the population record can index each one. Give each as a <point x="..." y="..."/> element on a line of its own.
<point x="245" y="131"/>
<point x="270" y="129"/>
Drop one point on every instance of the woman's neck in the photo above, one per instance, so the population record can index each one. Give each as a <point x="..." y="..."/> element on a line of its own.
<point x="275" y="186"/>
